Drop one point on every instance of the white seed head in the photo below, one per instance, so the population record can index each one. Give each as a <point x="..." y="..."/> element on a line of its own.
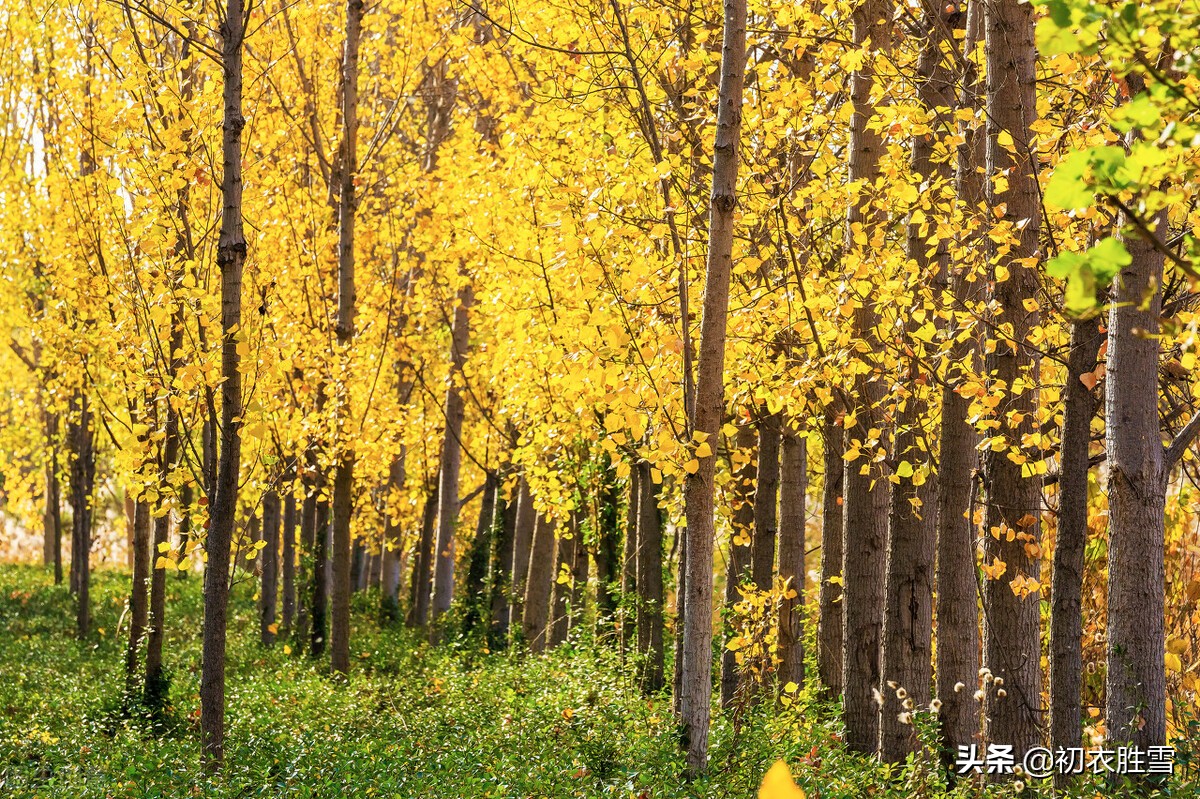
<point x="908" y="704"/>
<point x="901" y="693"/>
<point x="979" y="696"/>
<point x="959" y="687"/>
<point x="905" y="718"/>
<point x="1002" y="693"/>
<point x="935" y="706"/>
<point x="999" y="681"/>
<point x="892" y="684"/>
<point x="878" y="696"/>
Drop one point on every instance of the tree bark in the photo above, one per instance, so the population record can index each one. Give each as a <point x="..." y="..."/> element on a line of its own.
<point x="501" y="576"/>
<point x="696" y="699"/>
<point x="1066" y="594"/>
<point x="443" y="578"/>
<point x="269" y="558"/>
<point x="649" y="584"/>
<point x="957" y="603"/>
<point x="865" y="501"/>
<point x="1137" y="481"/>
<point x="741" y="550"/>
<point x="1012" y="640"/>
<point x="231" y="257"/>
<point x="343" y="479"/>
<point x="52" y="521"/>
<point x="522" y="545"/>
<point x="139" y="609"/>
<point x="608" y="531"/>
<point x="793" y="485"/>
<point x="423" y="563"/>
<point x="629" y="566"/>
<point x="766" y="502"/>
<point x="83" y="479"/>
<point x="907" y="655"/>
<point x="830" y="608"/>
<point x="393" y="535"/>
<point x="476" y="585"/>
<point x="288" y="532"/>
<point x="538" y="585"/>
<point x="319" y="604"/>
<point x="306" y="562"/>
<point x="563" y="585"/>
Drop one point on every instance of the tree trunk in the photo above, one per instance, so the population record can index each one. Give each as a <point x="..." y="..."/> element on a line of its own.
<point x="539" y="584"/>
<point x="288" y="533"/>
<point x="865" y="501"/>
<point x="907" y="656"/>
<point x="269" y="558"/>
<point x="478" y="593"/>
<point x="957" y="602"/>
<point x="629" y="594"/>
<point x="1012" y="640"/>
<point x="649" y="584"/>
<point x="830" y="609"/>
<point x="522" y="545"/>
<point x="680" y="622"/>
<point x="423" y="563"/>
<point x="231" y="256"/>
<point x="1066" y="595"/>
<point x="187" y="496"/>
<point x="501" y="576"/>
<point x="793" y="484"/>
<point x="306" y="562"/>
<point x="696" y="699"/>
<point x="741" y="550"/>
<point x="319" y="604"/>
<point x="443" y="578"/>
<point x="607" y="533"/>
<point x="560" y="622"/>
<point x="52" y="521"/>
<point x="139" y="610"/>
<point x="343" y="480"/>
<point x="83" y="479"/>
<point x="393" y="541"/>
<point x="766" y="501"/>
<point x="1137" y="481"/>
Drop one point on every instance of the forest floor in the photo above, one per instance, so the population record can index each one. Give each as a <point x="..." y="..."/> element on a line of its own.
<point x="411" y="721"/>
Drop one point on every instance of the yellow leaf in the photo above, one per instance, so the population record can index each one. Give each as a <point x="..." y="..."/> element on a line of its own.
<point x="272" y="628"/>
<point x="692" y="466"/>
<point x="905" y="469"/>
<point x="1004" y="139"/>
<point x="778" y="784"/>
<point x="703" y="450"/>
<point x="1173" y="662"/>
<point x="161" y="562"/>
<point x="1177" y="646"/>
<point x="791" y="688"/>
<point x="287" y="650"/>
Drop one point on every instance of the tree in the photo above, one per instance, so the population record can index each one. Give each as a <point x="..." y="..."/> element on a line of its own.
<point x="443" y="577"/>
<point x="793" y="485"/>
<point x="865" y="487"/>
<point x="957" y="604"/>
<point x="343" y="480"/>
<point x="1012" y="517"/>
<point x="231" y="257"/>
<point x="695" y="703"/>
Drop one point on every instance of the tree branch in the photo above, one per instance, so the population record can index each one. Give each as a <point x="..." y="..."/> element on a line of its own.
<point x="1182" y="441"/>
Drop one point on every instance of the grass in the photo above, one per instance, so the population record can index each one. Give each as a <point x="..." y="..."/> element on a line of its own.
<point x="411" y="721"/>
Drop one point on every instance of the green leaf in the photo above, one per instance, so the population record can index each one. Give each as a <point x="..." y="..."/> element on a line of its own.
<point x="1067" y="190"/>
<point x="1107" y="258"/>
